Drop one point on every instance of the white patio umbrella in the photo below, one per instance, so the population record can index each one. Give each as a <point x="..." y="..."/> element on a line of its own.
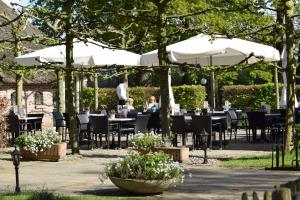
<point x="204" y="50"/>
<point x="284" y="64"/>
<point x="91" y="53"/>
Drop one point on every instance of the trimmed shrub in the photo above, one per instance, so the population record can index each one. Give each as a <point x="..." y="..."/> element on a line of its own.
<point x="242" y="96"/>
<point x="189" y="97"/>
<point x="3" y="122"/>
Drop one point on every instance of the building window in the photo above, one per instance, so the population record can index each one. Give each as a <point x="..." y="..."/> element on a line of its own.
<point x="13" y="99"/>
<point x="38" y="98"/>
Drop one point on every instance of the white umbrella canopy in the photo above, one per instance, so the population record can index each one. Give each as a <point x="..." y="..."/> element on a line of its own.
<point x="91" y="53"/>
<point x="202" y="50"/>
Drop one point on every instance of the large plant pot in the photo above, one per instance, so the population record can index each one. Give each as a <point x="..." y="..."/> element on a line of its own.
<point x="144" y="186"/>
<point x="55" y="153"/>
<point x="179" y="154"/>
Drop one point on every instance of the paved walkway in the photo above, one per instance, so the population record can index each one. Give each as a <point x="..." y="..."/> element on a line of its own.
<point x="78" y="175"/>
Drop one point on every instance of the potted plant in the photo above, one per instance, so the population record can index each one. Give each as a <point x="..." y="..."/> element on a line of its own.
<point x="112" y="114"/>
<point x="43" y="145"/>
<point x="197" y="111"/>
<point x="145" y="173"/>
<point x="147" y="142"/>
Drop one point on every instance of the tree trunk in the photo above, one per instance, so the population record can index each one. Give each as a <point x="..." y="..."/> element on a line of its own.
<point x="19" y="89"/>
<point x="61" y="91"/>
<point x="70" y="82"/>
<point x="276" y="86"/>
<point x="212" y="90"/>
<point x="96" y="91"/>
<point x="77" y="91"/>
<point x="165" y="101"/>
<point x="290" y="73"/>
<point x="161" y="42"/>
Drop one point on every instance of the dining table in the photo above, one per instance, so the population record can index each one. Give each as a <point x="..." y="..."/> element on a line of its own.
<point x="215" y="120"/>
<point x="119" y="121"/>
<point x="31" y="120"/>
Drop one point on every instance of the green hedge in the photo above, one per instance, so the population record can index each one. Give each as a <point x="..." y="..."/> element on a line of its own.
<point x="188" y="96"/>
<point x="242" y="96"/>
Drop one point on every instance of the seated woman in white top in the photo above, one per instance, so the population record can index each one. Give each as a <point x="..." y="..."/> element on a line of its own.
<point x="129" y="104"/>
<point x="151" y="104"/>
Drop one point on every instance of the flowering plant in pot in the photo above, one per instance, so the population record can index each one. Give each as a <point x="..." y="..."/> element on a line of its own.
<point x="42" y="145"/>
<point x="145" y="173"/>
<point x="145" y="142"/>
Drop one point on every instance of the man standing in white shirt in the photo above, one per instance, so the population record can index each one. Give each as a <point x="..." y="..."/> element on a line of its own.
<point x="122" y="93"/>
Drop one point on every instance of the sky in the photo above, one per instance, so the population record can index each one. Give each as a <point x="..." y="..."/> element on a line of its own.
<point x="15" y="1"/>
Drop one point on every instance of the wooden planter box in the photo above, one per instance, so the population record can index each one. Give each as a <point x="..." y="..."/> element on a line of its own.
<point x="179" y="154"/>
<point x="55" y="153"/>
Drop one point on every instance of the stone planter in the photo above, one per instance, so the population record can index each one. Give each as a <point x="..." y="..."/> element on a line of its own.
<point x="144" y="186"/>
<point x="55" y="153"/>
<point x="179" y="154"/>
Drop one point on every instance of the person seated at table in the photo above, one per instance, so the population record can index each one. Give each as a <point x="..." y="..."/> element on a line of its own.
<point x="151" y="104"/>
<point x="129" y="104"/>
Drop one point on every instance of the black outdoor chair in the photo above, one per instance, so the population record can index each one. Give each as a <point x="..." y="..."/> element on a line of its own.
<point x="234" y="122"/>
<point x="178" y="127"/>
<point x="153" y="122"/>
<point x="256" y="121"/>
<point x="36" y="124"/>
<point x="141" y="123"/>
<point x="204" y="123"/>
<point x="99" y="127"/>
<point x="17" y="126"/>
<point x="84" y="129"/>
<point x="132" y="114"/>
<point x="140" y="126"/>
<point x="59" y="120"/>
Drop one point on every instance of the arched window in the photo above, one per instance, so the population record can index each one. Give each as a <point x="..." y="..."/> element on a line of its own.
<point x="13" y="99"/>
<point x="38" y="98"/>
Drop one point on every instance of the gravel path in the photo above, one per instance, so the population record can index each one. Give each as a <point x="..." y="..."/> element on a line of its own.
<point x="77" y="175"/>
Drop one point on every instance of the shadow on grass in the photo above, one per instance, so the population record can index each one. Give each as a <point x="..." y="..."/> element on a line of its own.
<point x="114" y="192"/>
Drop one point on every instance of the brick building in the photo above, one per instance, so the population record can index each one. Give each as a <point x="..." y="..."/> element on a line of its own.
<point x="39" y="86"/>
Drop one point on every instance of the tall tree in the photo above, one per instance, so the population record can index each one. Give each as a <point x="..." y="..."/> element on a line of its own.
<point x="63" y="20"/>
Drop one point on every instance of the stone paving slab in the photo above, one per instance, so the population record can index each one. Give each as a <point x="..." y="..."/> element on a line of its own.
<point x="78" y="175"/>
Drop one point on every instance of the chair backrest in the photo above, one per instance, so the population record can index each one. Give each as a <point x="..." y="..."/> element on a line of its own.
<point x="256" y="120"/>
<point x="200" y="123"/>
<point x="178" y="124"/>
<point x="141" y="123"/>
<point x="132" y="114"/>
<point x="41" y="115"/>
<point x="99" y="124"/>
<point x="57" y="115"/>
<point x="13" y="122"/>
<point x="83" y="118"/>
<point x="154" y="120"/>
<point x="232" y="115"/>
<point x="67" y="119"/>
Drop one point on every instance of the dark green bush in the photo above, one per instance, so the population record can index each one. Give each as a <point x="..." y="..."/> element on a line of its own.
<point x="242" y="96"/>
<point x="188" y="97"/>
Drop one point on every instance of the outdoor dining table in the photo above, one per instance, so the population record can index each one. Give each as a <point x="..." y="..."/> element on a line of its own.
<point x="215" y="119"/>
<point x="31" y="120"/>
<point x="119" y="121"/>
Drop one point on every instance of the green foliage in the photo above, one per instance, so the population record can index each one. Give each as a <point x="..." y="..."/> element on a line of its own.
<point x="3" y="122"/>
<point x="189" y="97"/>
<point x="242" y="96"/>
<point x="248" y="162"/>
<point x="146" y="141"/>
<point x="38" y="142"/>
<point x="152" y="166"/>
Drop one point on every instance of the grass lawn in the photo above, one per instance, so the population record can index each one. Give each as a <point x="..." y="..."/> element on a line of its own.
<point x="51" y="196"/>
<point x="257" y="161"/>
